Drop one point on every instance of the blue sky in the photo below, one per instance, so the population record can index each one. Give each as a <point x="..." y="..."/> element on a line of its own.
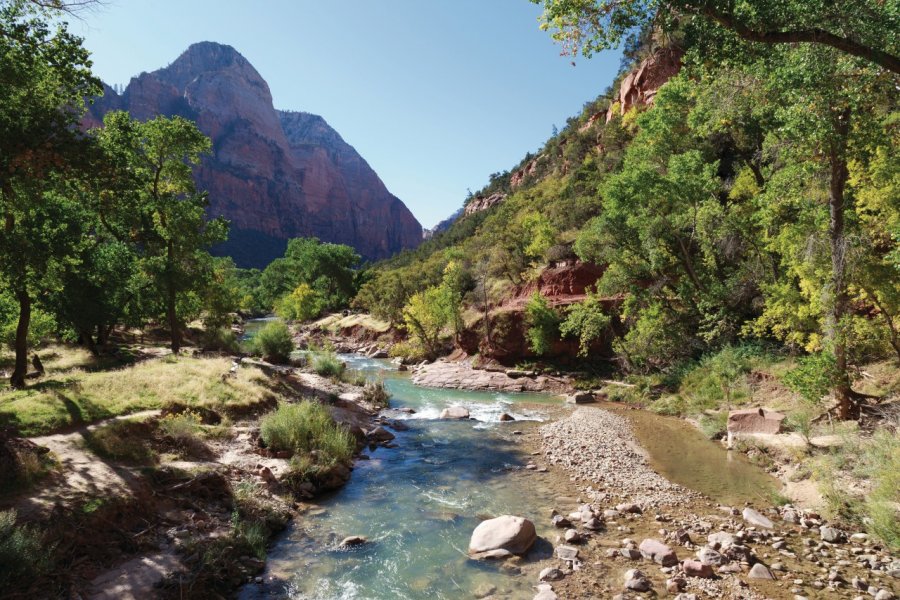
<point x="435" y="94"/>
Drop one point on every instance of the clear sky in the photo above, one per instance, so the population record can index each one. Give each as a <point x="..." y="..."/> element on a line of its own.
<point x="434" y="94"/>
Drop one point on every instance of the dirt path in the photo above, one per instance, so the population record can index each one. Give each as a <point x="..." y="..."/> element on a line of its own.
<point x="82" y="474"/>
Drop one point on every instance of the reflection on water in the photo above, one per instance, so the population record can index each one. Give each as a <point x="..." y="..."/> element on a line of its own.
<point x="684" y="455"/>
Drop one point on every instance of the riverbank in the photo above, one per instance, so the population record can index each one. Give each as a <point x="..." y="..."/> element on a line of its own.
<point x="175" y="501"/>
<point x="682" y="542"/>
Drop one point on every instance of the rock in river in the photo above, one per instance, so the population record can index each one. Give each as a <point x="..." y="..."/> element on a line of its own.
<point x="754" y="518"/>
<point x="512" y="534"/>
<point x="455" y="412"/>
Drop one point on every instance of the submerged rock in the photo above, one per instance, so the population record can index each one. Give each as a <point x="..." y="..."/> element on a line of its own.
<point x="514" y="535"/>
<point x="755" y="518"/>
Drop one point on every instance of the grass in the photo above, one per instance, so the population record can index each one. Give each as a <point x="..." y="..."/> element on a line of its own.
<point x="337" y="322"/>
<point x="185" y="431"/>
<point x="78" y="397"/>
<point x="327" y="364"/>
<point x="874" y="462"/>
<point x="307" y="429"/>
<point x="376" y="394"/>
<point x="23" y="554"/>
<point x="125" y="441"/>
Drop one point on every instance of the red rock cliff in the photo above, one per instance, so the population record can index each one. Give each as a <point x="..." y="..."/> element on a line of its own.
<point x="275" y="175"/>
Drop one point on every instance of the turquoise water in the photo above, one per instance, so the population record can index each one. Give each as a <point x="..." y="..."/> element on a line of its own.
<point x="418" y="504"/>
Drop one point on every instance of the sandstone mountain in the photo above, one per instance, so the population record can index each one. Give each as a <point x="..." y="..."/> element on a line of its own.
<point x="274" y="174"/>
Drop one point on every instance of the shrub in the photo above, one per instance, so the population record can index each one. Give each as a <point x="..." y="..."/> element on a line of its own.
<point x="814" y="378"/>
<point x="23" y="554"/>
<point x="542" y="324"/>
<point x="881" y="462"/>
<point x="327" y="364"/>
<point x="376" y="394"/>
<point x="220" y="339"/>
<point x="184" y="431"/>
<point x="274" y="342"/>
<point x="409" y="351"/>
<point x="586" y="321"/>
<point x="306" y="427"/>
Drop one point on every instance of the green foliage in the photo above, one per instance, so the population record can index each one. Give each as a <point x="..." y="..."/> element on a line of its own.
<point x="882" y="464"/>
<point x="326" y="363"/>
<point x="220" y="339"/>
<point x="306" y="427"/>
<point x="328" y="269"/>
<point x="587" y="321"/>
<point x="274" y="342"/>
<point x="302" y="304"/>
<point x="814" y="377"/>
<point x="542" y="323"/>
<point x="23" y="554"/>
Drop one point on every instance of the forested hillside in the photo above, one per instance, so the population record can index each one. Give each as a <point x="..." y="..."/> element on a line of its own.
<point x="731" y="191"/>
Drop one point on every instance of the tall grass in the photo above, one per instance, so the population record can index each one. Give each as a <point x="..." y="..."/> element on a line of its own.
<point x="327" y="364"/>
<point x="307" y="428"/>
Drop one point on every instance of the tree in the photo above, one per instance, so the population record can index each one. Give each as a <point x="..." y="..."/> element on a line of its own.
<point x="542" y="324"/>
<point x="330" y="269"/>
<point x="303" y="304"/>
<point x="44" y="76"/>
<point x="587" y="321"/>
<point x="169" y="214"/>
<point x="426" y="315"/>
<point x="867" y="29"/>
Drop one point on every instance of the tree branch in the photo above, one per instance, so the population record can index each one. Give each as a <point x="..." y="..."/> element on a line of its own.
<point x="807" y="36"/>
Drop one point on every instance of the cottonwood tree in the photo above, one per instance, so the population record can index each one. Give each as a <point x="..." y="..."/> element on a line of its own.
<point x="868" y="29"/>
<point x="44" y="77"/>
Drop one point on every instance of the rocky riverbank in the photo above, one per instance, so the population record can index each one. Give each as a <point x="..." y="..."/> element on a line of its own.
<point x="463" y="375"/>
<point x="628" y="533"/>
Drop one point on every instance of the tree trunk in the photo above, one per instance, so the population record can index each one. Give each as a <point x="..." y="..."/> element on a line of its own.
<point x="171" y="313"/>
<point x="17" y="380"/>
<point x="838" y="180"/>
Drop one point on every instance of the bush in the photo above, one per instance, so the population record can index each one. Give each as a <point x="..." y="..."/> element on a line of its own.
<point x="814" y="378"/>
<point x="184" y="431"/>
<point x="306" y="427"/>
<point x="220" y="339"/>
<point x="542" y="323"/>
<point x="327" y="364"/>
<point x="881" y="462"/>
<point x="376" y="394"/>
<point x="409" y="351"/>
<point x="274" y="342"/>
<point x="23" y="554"/>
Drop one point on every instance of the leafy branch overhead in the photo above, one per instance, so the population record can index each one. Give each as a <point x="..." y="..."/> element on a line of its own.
<point x="867" y="29"/>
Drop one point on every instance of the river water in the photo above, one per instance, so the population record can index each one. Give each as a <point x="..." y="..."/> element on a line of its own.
<point x="419" y="502"/>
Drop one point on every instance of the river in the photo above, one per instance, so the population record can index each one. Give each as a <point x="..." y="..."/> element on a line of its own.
<point x="418" y="503"/>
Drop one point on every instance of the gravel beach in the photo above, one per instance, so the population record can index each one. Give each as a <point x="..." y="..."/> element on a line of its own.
<point x="598" y="449"/>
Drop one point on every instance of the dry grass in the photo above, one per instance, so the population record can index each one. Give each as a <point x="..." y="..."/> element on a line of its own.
<point x="76" y="397"/>
<point x="338" y="322"/>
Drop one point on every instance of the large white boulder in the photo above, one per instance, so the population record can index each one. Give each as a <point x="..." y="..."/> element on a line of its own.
<point x="512" y="534"/>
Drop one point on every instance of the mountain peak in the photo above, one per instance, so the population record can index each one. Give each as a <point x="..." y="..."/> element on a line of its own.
<point x="208" y="57"/>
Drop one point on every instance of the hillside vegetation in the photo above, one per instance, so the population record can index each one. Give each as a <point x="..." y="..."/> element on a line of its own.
<point x="750" y="197"/>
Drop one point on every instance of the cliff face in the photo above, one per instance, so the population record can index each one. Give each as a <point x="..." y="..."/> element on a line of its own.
<point x="275" y="175"/>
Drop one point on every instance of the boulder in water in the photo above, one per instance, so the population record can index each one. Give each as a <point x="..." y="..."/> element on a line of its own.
<point x="455" y="412"/>
<point x="512" y="534"/>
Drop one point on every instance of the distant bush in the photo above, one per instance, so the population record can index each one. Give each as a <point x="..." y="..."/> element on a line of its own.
<point x="23" y="554"/>
<point x="274" y="342"/>
<point x="542" y="324"/>
<point x="814" y="378"/>
<point x="306" y="427"/>
<point x="220" y="339"/>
